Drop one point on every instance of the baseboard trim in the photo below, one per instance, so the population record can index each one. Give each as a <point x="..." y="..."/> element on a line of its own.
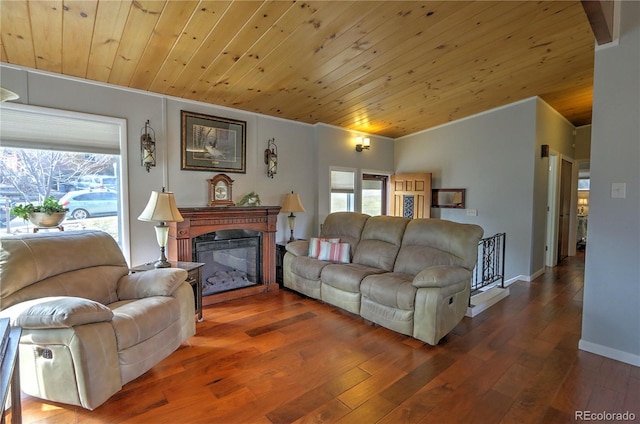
<point x="486" y="299"/>
<point x="527" y="278"/>
<point x="517" y="278"/>
<point x="608" y="352"/>
<point x="536" y="274"/>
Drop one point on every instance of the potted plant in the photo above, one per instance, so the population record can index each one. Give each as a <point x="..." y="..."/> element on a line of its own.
<point x="49" y="214"/>
<point x="251" y="199"/>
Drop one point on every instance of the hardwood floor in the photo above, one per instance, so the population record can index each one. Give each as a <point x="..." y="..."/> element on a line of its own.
<point x="282" y="358"/>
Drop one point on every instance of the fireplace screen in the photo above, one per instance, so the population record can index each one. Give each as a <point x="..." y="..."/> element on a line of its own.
<point x="231" y="258"/>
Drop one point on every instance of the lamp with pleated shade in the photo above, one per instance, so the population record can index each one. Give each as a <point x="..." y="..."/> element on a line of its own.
<point x="292" y="204"/>
<point x="162" y="209"/>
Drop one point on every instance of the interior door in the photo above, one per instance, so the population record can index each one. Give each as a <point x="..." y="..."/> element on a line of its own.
<point x="411" y="195"/>
<point x="564" y="209"/>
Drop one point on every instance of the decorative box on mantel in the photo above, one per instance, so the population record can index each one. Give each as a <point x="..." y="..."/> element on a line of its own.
<point x="199" y="221"/>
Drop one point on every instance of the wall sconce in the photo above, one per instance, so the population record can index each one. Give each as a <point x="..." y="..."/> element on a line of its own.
<point x="271" y="157"/>
<point x="544" y="151"/>
<point x="362" y="144"/>
<point x="148" y="146"/>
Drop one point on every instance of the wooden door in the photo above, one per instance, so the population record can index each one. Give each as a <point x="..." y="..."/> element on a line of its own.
<point x="411" y="195"/>
<point x="564" y="209"/>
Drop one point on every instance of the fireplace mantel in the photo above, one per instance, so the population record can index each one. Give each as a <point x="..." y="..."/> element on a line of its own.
<point x="204" y="220"/>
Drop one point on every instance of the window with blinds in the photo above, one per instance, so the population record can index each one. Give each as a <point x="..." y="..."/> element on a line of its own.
<point x="342" y="190"/>
<point x="69" y="156"/>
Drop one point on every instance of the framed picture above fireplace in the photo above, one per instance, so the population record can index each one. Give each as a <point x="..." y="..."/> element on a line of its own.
<point x="212" y="143"/>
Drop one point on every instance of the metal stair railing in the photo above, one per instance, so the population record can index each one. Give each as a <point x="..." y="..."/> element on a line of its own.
<point x="490" y="266"/>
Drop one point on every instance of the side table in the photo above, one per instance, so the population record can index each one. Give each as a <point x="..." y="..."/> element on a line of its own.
<point x="281" y="249"/>
<point x="194" y="270"/>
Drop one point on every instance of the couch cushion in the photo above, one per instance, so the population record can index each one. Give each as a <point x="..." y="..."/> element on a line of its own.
<point x="347" y="226"/>
<point x="56" y="312"/>
<point x="380" y="241"/>
<point x="135" y="321"/>
<point x="27" y="259"/>
<point x="429" y="242"/>
<point x="347" y="277"/>
<point x="308" y="268"/>
<point x="154" y="282"/>
<point x="391" y="289"/>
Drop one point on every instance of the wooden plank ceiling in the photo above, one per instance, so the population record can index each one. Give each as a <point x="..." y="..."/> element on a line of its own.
<point x="385" y="67"/>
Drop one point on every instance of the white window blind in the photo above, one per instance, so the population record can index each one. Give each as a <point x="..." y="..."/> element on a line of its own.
<point x="48" y="129"/>
<point x="342" y="181"/>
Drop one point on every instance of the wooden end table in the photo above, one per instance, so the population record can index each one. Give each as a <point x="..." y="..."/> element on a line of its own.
<point x="194" y="270"/>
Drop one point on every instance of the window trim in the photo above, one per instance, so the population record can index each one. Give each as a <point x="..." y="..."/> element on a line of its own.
<point x="356" y="196"/>
<point x="122" y="143"/>
<point x="379" y="176"/>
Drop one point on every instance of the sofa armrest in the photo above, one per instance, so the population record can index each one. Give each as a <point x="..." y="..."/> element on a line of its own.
<point x="298" y="247"/>
<point x="56" y="312"/>
<point x="441" y="276"/>
<point x="155" y="282"/>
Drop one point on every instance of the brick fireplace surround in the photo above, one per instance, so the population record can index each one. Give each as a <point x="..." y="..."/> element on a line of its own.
<point x="205" y="220"/>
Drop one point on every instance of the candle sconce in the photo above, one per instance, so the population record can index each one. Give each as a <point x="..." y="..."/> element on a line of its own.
<point x="148" y="146"/>
<point x="271" y="157"/>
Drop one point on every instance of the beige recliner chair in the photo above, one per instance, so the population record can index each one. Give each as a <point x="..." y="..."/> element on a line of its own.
<point x="88" y="325"/>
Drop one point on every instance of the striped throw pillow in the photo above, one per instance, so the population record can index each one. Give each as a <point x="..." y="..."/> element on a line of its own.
<point x="314" y="245"/>
<point x="335" y="252"/>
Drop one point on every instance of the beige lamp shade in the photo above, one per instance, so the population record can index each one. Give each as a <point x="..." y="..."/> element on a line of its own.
<point x="292" y="203"/>
<point x="7" y="95"/>
<point x="162" y="208"/>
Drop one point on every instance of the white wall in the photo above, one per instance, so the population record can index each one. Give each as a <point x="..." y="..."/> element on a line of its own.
<point x="611" y="312"/>
<point x="496" y="157"/>
<point x="582" y="150"/>
<point x="492" y="156"/>
<point x="552" y="129"/>
<point x="336" y="147"/>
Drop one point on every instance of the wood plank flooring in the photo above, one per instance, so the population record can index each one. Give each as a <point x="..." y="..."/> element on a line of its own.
<point x="282" y="358"/>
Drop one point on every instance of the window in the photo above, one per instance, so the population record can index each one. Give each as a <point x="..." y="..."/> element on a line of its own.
<point x="74" y="157"/>
<point x="342" y="191"/>
<point x="374" y="194"/>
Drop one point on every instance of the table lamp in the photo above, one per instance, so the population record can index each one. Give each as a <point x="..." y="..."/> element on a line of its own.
<point x="161" y="208"/>
<point x="292" y="204"/>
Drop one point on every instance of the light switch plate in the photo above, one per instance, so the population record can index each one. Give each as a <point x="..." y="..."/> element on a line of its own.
<point x="618" y="190"/>
<point x="472" y="212"/>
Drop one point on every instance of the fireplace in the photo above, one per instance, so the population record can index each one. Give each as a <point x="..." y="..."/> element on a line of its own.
<point x="231" y="260"/>
<point x="209" y="228"/>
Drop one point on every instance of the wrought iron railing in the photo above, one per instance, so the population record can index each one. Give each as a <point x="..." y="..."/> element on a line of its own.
<point x="490" y="266"/>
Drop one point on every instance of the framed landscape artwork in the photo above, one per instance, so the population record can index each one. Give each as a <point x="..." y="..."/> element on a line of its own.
<point x="211" y="143"/>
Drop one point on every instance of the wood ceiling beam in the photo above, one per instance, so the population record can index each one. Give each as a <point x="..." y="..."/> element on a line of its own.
<point x="600" y="15"/>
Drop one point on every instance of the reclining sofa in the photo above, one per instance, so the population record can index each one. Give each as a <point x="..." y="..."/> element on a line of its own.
<point x="88" y="325"/>
<point x="411" y="276"/>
